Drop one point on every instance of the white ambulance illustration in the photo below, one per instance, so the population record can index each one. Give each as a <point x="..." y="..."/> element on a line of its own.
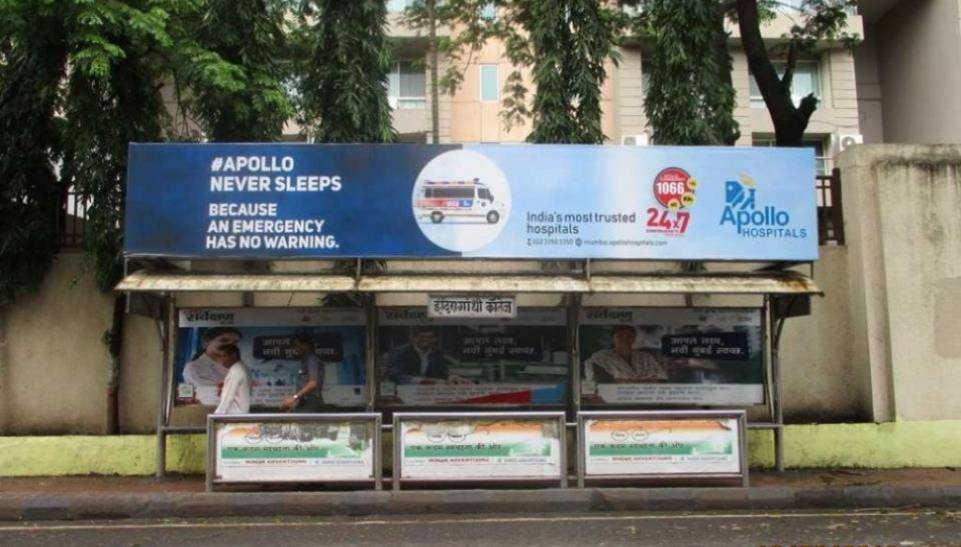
<point x="439" y="200"/>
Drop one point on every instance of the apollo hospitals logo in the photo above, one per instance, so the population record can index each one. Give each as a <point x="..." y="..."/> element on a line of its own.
<point x="742" y="212"/>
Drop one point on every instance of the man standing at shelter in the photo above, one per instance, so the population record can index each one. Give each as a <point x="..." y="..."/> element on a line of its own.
<point x="235" y="395"/>
<point x="310" y="381"/>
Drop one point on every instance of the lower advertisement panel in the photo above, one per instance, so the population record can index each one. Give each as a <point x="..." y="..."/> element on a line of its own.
<point x="662" y="445"/>
<point x="293" y="448"/>
<point x="481" y="446"/>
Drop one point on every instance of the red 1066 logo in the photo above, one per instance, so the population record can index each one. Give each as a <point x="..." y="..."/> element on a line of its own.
<point x="674" y="190"/>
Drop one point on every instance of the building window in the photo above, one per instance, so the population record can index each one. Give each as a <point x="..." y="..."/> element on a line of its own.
<point x="407" y="86"/>
<point x="489" y="11"/>
<point x="806" y="81"/>
<point x="823" y="163"/>
<point x="790" y="7"/>
<point x="489" y="88"/>
<point x="397" y="6"/>
<point x="645" y="74"/>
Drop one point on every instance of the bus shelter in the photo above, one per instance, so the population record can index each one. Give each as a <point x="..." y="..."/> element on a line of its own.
<point x="391" y="249"/>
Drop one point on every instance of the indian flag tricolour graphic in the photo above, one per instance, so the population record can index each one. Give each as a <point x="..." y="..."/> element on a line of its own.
<point x="459" y="450"/>
<point x="650" y="447"/>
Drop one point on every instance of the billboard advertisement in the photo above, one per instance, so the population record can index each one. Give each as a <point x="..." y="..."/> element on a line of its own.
<point x="440" y="361"/>
<point x="292" y="451"/>
<point x="672" y="356"/>
<point x="480" y="449"/>
<point x="489" y="201"/>
<point x="634" y="446"/>
<point x="266" y="338"/>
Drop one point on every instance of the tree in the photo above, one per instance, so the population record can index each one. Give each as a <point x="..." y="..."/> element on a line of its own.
<point x="343" y="72"/>
<point x="78" y="82"/>
<point x="247" y="34"/>
<point x="569" y="42"/>
<point x="817" y="20"/>
<point x="689" y="99"/>
<point x="563" y="43"/>
<point x="31" y="67"/>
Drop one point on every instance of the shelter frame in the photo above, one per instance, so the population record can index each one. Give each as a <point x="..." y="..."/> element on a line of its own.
<point x="770" y="284"/>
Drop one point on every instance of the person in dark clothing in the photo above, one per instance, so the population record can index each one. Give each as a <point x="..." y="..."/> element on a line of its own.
<point x="420" y="361"/>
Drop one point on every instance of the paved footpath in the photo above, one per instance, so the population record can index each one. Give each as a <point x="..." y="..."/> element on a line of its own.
<point x="863" y="527"/>
<point x="106" y="498"/>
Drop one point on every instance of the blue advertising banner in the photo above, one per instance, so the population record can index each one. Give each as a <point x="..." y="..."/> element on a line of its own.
<point x="489" y="201"/>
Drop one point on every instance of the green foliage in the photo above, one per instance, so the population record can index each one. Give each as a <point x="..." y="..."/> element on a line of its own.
<point x="694" y="35"/>
<point x="235" y="70"/>
<point x="33" y="62"/>
<point x="80" y="79"/>
<point x="569" y="42"/>
<point x="564" y="44"/>
<point x="343" y="70"/>
<point x="689" y="99"/>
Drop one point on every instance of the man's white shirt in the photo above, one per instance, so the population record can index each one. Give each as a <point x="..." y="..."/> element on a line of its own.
<point x="235" y="396"/>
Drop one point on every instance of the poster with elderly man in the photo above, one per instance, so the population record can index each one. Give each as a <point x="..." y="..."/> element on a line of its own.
<point x="673" y="356"/>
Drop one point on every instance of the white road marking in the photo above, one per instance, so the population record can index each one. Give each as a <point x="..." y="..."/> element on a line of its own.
<point x="35" y="527"/>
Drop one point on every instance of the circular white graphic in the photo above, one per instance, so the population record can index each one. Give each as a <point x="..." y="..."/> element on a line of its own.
<point x="461" y="200"/>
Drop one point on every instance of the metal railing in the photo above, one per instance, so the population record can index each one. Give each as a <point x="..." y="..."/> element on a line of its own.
<point x="830" y="211"/>
<point x="72" y="218"/>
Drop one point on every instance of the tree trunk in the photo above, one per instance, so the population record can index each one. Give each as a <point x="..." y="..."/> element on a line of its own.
<point x="725" y="65"/>
<point x="114" y="339"/>
<point x="789" y="121"/>
<point x="432" y="59"/>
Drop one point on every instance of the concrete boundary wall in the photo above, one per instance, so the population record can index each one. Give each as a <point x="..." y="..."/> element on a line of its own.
<point x="902" y="208"/>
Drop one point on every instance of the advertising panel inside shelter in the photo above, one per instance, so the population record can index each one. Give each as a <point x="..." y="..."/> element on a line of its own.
<point x="274" y="343"/>
<point x="294" y="451"/>
<point x="480" y="449"/>
<point x="634" y="446"/>
<point x="672" y="356"/>
<point x="424" y="361"/>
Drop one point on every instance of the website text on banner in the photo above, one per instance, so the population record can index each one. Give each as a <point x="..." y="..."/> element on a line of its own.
<point x="492" y="201"/>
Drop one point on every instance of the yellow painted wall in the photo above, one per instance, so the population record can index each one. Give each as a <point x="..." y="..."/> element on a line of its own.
<point x="865" y="445"/>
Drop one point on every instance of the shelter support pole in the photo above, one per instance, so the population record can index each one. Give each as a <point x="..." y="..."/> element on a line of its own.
<point x="165" y="330"/>
<point x="370" y="373"/>
<point x="574" y="380"/>
<point x="777" y="325"/>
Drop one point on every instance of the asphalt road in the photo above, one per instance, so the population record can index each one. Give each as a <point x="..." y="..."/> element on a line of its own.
<point x="873" y="527"/>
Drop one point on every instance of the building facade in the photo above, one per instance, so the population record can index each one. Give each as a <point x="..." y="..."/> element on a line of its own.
<point x="472" y="113"/>
<point x="909" y="71"/>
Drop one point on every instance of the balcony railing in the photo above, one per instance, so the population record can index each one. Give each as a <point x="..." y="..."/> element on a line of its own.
<point x="830" y="212"/>
<point x="73" y="218"/>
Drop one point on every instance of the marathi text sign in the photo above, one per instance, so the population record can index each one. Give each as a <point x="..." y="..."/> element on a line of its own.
<point x="294" y="450"/>
<point x="263" y="201"/>
<point x="480" y="448"/>
<point x="467" y="306"/>
<point x="641" y="446"/>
